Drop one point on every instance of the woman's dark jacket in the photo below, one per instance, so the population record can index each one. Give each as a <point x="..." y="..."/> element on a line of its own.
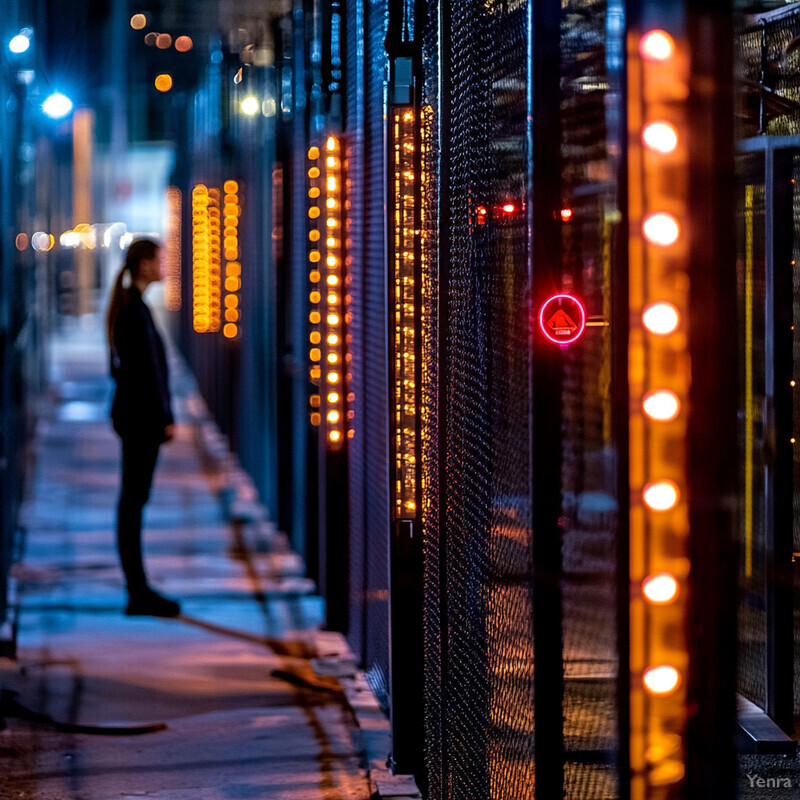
<point x="141" y="404"/>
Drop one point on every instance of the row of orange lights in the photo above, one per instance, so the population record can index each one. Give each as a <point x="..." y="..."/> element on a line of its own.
<point x="315" y="255"/>
<point x="173" y="248"/>
<point x="404" y="315"/>
<point x="327" y="297"/>
<point x="659" y="379"/>
<point x="233" y="268"/>
<point x="660" y="229"/>
<point x="206" y="257"/>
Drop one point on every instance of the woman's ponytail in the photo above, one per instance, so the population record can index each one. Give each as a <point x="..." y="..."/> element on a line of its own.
<point x="138" y="251"/>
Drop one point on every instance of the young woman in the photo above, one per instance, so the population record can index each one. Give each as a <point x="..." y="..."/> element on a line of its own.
<point x="141" y="414"/>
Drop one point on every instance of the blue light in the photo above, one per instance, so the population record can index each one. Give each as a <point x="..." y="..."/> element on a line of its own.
<point x="57" y="106"/>
<point x="19" y="43"/>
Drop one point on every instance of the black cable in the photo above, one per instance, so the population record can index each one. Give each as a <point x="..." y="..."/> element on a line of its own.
<point x="9" y="707"/>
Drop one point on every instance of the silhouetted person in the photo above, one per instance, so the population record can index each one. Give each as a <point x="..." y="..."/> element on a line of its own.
<point x="141" y="414"/>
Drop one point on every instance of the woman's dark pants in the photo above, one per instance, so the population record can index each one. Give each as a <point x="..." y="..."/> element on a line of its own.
<point x="138" y="464"/>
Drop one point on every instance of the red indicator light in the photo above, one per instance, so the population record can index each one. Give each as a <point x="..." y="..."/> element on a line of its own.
<point x="566" y="214"/>
<point x="562" y="319"/>
<point x="509" y="208"/>
<point x="481" y="212"/>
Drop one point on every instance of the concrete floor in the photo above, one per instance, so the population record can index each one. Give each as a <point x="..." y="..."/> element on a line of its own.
<point x="234" y="727"/>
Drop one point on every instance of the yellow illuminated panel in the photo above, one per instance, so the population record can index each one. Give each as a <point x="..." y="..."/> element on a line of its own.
<point x="232" y="286"/>
<point x="659" y="373"/>
<point x="316" y="327"/>
<point x="333" y="353"/>
<point x="405" y="322"/>
<point x="206" y="297"/>
<point x="172" y="279"/>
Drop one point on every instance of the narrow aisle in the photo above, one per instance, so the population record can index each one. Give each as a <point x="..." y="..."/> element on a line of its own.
<point x="233" y="729"/>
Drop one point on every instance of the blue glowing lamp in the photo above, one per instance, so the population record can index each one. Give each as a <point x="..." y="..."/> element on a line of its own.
<point x="57" y="106"/>
<point x="20" y="43"/>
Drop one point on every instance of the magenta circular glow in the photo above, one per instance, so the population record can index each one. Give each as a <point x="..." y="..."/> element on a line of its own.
<point x="561" y="328"/>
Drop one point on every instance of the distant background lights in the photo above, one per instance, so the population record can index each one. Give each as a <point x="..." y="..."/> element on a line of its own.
<point x="57" y="106"/>
<point x="250" y="105"/>
<point x="163" y="82"/>
<point x="21" y="42"/>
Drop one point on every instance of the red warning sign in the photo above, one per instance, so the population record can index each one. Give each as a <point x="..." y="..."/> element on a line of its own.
<point x="562" y="319"/>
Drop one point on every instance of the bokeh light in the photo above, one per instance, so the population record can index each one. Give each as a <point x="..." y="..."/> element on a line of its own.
<point x="661" y="681"/>
<point x="138" y="21"/>
<point x="57" y="106"/>
<point x="661" y="589"/>
<point x="183" y="44"/>
<point x="656" y="45"/>
<point x="661" y="318"/>
<point x="163" y="82"/>
<point x="660" y="136"/>
<point x="661" y="495"/>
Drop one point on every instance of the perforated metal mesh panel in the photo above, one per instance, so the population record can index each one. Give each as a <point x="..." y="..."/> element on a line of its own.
<point x="369" y="524"/>
<point x="768" y="60"/>
<point x="591" y="133"/>
<point x="476" y="437"/>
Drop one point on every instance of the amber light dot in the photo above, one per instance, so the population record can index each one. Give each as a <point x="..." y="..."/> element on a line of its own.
<point x="183" y="44"/>
<point x="335" y="436"/>
<point x="333" y="416"/>
<point x="163" y="82"/>
<point x="656" y="45"/>
<point x="662" y="680"/>
<point x="661" y="589"/>
<point x="662" y="137"/>
<point x="661" y="405"/>
<point x="661" y="318"/>
<point x="313" y="152"/>
<point x="163" y="41"/>
<point x="138" y="21"/>
<point x="661" y="495"/>
<point x="661" y="229"/>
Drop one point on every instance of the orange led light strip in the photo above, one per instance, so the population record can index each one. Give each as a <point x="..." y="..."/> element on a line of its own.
<point x="205" y="259"/>
<point x="658" y="379"/>
<point x="232" y="286"/>
<point x="332" y="289"/>
<point x="405" y="322"/>
<point x="173" y="242"/>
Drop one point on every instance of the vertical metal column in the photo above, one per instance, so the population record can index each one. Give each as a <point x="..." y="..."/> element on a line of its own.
<point x="712" y="462"/>
<point x="405" y="363"/>
<point x="778" y="477"/>
<point x="544" y="200"/>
